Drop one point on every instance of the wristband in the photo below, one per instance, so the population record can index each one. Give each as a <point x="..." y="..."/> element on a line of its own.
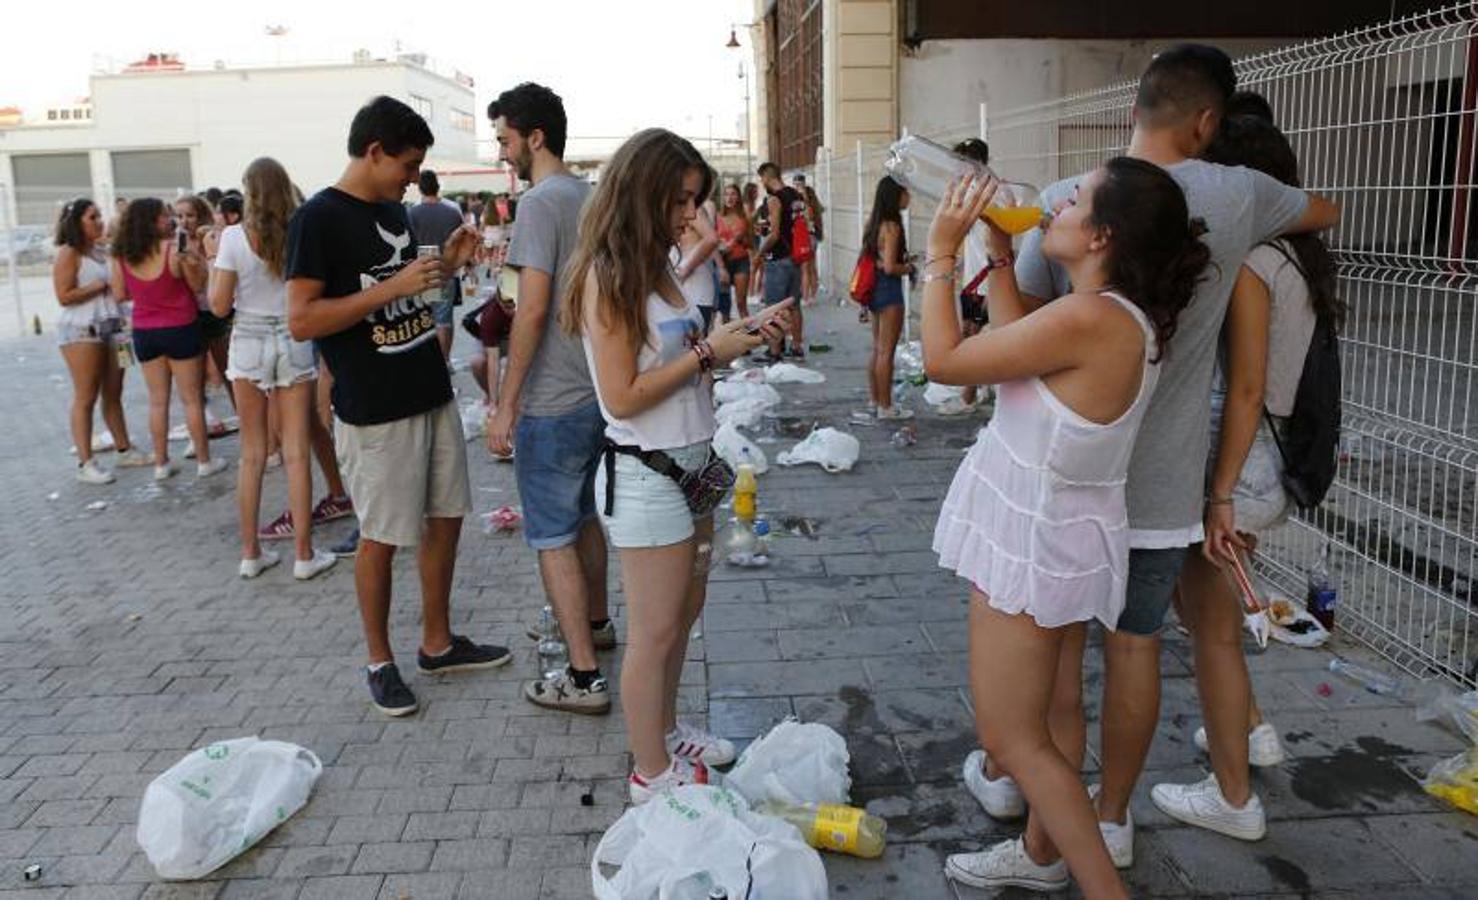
<point x="1218" y="501"/>
<point x="704" y="352"/>
<point x="940" y="257"/>
<point x="938" y="276"/>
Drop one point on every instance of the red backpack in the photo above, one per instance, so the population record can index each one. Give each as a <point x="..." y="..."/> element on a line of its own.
<point x="802" y="249"/>
<point x="864" y="278"/>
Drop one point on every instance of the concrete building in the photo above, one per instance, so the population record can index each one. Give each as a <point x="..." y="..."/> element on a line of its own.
<point x="158" y="131"/>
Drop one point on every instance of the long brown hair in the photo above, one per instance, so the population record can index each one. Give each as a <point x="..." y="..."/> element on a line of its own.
<point x="626" y="233"/>
<point x="138" y="237"/>
<point x="270" y="201"/>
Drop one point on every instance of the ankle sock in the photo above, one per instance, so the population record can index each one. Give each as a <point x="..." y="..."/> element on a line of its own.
<point x="598" y="624"/>
<point x="375" y="667"/>
<point x="584" y="678"/>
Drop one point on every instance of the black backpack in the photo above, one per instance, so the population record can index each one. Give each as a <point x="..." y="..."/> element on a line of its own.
<point x="1309" y="442"/>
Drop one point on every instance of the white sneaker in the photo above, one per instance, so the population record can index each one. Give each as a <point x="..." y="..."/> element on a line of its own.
<point x="92" y="473"/>
<point x="131" y="459"/>
<point x="1118" y="838"/>
<point x="690" y="742"/>
<point x="678" y="773"/>
<point x="166" y="471"/>
<point x="894" y="413"/>
<point x="1005" y="865"/>
<point x="207" y="469"/>
<point x="322" y="561"/>
<point x="1263" y="747"/>
<point x="865" y="416"/>
<point x="955" y="406"/>
<point x="190" y="449"/>
<point x="1202" y="804"/>
<point x="266" y="559"/>
<point x="1001" y="798"/>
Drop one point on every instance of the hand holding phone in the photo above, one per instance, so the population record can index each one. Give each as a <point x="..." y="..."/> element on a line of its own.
<point x="182" y="241"/>
<point x="769" y="313"/>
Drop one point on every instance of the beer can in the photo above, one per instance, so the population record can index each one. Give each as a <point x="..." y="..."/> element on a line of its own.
<point x="430" y="295"/>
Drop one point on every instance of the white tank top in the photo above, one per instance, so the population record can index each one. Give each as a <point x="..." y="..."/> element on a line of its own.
<point x="683" y="417"/>
<point x="90" y="268"/>
<point x="1035" y="516"/>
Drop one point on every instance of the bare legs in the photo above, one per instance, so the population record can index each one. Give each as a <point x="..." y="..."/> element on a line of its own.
<point x="575" y="582"/>
<point x="1214" y="616"/>
<point x="887" y="325"/>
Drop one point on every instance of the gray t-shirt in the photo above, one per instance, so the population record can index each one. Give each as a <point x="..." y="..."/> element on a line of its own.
<point x="1241" y="208"/>
<point x="433" y="223"/>
<point x="544" y="238"/>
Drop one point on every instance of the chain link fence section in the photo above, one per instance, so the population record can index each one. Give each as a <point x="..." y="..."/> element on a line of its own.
<point x="1385" y="121"/>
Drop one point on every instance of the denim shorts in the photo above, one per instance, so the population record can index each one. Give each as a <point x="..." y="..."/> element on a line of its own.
<point x="98" y="331"/>
<point x="178" y="342"/>
<point x="888" y="292"/>
<point x="782" y="279"/>
<point x="451" y="290"/>
<point x="265" y="354"/>
<point x="648" y="509"/>
<point x="1152" y="578"/>
<point x="555" y="468"/>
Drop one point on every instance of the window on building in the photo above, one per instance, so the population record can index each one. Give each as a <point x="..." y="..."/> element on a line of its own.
<point x="463" y="120"/>
<point x="422" y="106"/>
<point x="66" y="114"/>
<point x="51" y="115"/>
<point x="797" y="103"/>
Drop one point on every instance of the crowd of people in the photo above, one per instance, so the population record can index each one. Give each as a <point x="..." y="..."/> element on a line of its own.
<point x="1145" y="342"/>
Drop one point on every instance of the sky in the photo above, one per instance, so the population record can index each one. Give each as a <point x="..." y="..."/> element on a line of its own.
<point x="619" y="66"/>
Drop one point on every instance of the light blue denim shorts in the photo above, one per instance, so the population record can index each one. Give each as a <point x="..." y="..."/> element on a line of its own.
<point x="649" y="509"/>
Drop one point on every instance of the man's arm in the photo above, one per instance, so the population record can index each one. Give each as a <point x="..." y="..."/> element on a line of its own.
<point x="311" y="315"/>
<point x="773" y="204"/>
<point x="1322" y="214"/>
<point x="535" y="289"/>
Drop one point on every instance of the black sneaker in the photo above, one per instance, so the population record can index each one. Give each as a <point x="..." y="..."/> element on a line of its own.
<point x="389" y="694"/>
<point x="348" y="546"/>
<point x="464" y="656"/>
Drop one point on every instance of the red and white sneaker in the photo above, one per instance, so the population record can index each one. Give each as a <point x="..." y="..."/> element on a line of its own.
<point x="331" y="508"/>
<point x="690" y="742"/>
<point x="678" y="773"/>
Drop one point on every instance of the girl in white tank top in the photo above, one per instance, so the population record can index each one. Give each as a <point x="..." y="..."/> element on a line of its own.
<point x="1035" y="519"/>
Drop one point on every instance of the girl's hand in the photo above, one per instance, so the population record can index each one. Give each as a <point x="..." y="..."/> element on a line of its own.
<point x="1222" y="540"/>
<point x="960" y="208"/>
<point x="732" y="340"/>
<point x="998" y="242"/>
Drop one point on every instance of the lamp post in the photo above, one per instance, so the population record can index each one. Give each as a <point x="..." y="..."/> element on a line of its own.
<point x="733" y="44"/>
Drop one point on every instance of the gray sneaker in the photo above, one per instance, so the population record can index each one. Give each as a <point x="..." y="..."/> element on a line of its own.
<point x="561" y="692"/>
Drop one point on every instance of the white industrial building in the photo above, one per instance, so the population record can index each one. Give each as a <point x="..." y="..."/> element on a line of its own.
<point x="158" y="132"/>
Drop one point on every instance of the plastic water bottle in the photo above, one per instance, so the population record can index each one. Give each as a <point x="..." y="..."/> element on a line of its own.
<point x="746" y="488"/>
<point x="762" y="537"/>
<point x="843" y="829"/>
<point x="926" y="168"/>
<point x="1322" y="597"/>
<point x="554" y="655"/>
<point x="1373" y="681"/>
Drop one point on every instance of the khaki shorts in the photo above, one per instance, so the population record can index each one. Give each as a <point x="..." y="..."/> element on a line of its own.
<point x="400" y="473"/>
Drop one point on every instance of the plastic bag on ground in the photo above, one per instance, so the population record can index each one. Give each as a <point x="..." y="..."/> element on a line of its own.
<point x="730" y="391"/>
<point x="678" y="846"/>
<point x="474" y="419"/>
<point x="219" y="800"/>
<point x="834" y="451"/>
<point x="747" y="376"/>
<point x="730" y="443"/>
<point x="796" y="763"/>
<point x="1442" y="702"/>
<point x="1292" y="624"/>
<point x="1455" y="780"/>
<point x="939" y="394"/>
<point x="743" y="413"/>
<point x="790" y="373"/>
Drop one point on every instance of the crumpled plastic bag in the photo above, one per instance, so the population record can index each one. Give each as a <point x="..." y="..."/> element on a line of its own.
<point x="834" y="451"/>
<point x="790" y="373"/>
<point x="474" y="419"/>
<point x="1293" y="625"/>
<point x="1454" y="779"/>
<point x="795" y="762"/>
<point x="938" y="394"/>
<point x="743" y="413"/>
<point x="731" y="444"/>
<point x="749" y="376"/>
<point x="731" y="391"/>
<point x="682" y="844"/>
<point x="211" y="806"/>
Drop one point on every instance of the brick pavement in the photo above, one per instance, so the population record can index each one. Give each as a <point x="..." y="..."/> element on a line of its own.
<point x="129" y="640"/>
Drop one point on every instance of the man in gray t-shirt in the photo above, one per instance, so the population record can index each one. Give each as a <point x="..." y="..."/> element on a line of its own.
<point x="1177" y="111"/>
<point x="432" y="221"/>
<point x="546" y="404"/>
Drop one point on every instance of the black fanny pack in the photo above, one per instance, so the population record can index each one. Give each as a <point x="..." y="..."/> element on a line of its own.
<point x="703" y="488"/>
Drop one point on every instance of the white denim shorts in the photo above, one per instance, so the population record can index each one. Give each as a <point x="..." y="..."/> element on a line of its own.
<point x="649" y="509"/>
<point x="265" y="354"/>
<point x="1259" y="500"/>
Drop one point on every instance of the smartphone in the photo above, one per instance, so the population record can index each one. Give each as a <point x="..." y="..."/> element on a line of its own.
<point x="181" y="240"/>
<point x="763" y="319"/>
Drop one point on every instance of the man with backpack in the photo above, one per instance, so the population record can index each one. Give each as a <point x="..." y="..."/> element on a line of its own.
<point x="785" y="211"/>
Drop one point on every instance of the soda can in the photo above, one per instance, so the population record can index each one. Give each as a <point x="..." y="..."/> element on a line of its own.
<point x="430" y="295"/>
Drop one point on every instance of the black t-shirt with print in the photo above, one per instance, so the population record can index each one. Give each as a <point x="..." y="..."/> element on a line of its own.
<point x="387" y="366"/>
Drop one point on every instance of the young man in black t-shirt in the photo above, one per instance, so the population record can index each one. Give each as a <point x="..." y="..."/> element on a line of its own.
<point x="358" y="288"/>
<point x="782" y="278"/>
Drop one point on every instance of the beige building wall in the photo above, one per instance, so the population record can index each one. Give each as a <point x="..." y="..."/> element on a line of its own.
<point x="859" y="72"/>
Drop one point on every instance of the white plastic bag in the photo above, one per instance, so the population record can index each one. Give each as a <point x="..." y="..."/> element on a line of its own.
<point x="679" y="845"/>
<point x="474" y="419"/>
<point x="939" y="394"/>
<point x="731" y="444"/>
<point x="796" y="762"/>
<point x="750" y="376"/>
<point x="743" y="413"/>
<point x="790" y="373"/>
<point x="220" y="800"/>
<point x="731" y="391"/>
<point x="834" y="451"/>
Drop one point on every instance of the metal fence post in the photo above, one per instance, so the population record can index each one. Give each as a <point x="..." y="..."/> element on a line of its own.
<point x="12" y="264"/>
<point x="831" y="244"/>
<point x="907" y="281"/>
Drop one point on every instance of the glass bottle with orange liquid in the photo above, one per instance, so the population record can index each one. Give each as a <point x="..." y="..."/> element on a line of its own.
<point x="926" y="168"/>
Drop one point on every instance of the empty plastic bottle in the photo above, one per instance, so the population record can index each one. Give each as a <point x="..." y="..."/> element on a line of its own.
<point x="844" y="829"/>
<point x="1373" y="681"/>
<point x="554" y="655"/>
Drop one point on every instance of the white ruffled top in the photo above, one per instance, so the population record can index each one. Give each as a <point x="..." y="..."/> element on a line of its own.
<point x="1035" y="516"/>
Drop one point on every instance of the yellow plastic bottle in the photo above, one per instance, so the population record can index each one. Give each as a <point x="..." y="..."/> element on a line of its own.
<point x="746" y="487"/>
<point x="842" y="829"/>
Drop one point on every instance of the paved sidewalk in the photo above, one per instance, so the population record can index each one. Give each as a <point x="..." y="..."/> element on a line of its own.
<point x="129" y="640"/>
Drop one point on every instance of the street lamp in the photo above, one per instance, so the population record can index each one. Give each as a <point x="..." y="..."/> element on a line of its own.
<point x="733" y="44"/>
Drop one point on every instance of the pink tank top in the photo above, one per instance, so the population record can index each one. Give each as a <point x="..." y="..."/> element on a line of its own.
<point x="163" y="302"/>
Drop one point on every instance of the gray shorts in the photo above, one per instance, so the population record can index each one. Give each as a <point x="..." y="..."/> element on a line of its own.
<point x="1151" y="587"/>
<point x="403" y="472"/>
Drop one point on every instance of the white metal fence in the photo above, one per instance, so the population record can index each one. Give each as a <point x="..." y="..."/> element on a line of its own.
<point x="1385" y="121"/>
